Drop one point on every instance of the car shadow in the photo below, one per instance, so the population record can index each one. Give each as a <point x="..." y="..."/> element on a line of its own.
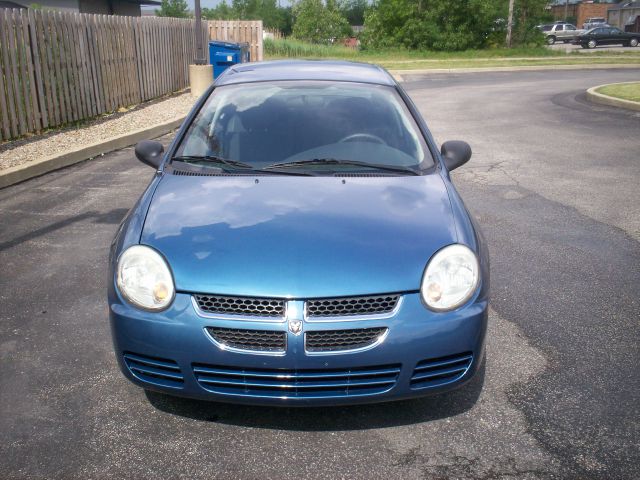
<point x="357" y="417"/>
<point x="112" y="217"/>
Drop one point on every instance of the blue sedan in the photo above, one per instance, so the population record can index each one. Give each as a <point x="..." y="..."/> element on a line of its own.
<point x="301" y="243"/>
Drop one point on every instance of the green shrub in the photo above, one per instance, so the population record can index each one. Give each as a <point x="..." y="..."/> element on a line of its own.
<point x="291" y="48"/>
<point x="315" y="22"/>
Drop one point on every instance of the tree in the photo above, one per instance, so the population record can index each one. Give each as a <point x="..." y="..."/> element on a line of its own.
<point x="268" y="11"/>
<point x="317" y="23"/>
<point x="285" y="23"/>
<point x="510" y="23"/>
<point x="447" y="25"/>
<point x="222" y="11"/>
<point x="429" y="24"/>
<point x="353" y="10"/>
<point x="528" y="14"/>
<point x="173" y="8"/>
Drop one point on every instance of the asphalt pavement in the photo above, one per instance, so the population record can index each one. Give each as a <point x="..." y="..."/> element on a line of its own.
<point x="553" y="183"/>
<point x="569" y="48"/>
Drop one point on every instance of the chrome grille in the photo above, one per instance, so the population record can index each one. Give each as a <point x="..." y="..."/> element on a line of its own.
<point x="158" y="371"/>
<point x="255" y="307"/>
<point x="337" y="340"/>
<point x="323" y="383"/>
<point x="336" y="307"/>
<point x="440" y="371"/>
<point x="256" y="340"/>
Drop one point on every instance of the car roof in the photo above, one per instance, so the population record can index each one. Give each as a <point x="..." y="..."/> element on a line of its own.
<point x="331" y="70"/>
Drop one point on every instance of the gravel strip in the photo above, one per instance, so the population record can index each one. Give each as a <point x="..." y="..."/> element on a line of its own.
<point x="102" y="128"/>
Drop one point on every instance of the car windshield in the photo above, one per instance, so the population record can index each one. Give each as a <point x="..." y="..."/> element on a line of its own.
<point x="333" y="125"/>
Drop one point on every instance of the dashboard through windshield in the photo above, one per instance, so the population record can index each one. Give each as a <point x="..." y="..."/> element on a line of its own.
<point x="312" y="125"/>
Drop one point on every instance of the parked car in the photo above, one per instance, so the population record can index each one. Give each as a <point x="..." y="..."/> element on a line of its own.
<point x="594" y="22"/>
<point x="301" y="243"/>
<point x="559" y="32"/>
<point x="607" y="36"/>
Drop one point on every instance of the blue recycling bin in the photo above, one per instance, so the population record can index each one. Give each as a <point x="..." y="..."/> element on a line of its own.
<point x="224" y="54"/>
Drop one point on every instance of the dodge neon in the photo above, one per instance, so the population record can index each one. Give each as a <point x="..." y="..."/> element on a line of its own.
<point x="301" y="243"/>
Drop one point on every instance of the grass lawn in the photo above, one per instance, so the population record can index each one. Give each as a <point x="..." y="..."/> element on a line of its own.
<point x="399" y="59"/>
<point x="627" y="91"/>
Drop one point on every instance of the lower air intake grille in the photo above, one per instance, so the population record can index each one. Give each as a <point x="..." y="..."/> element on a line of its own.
<point x="257" y="340"/>
<point x="324" y="383"/>
<point x="158" y="371"/>
<point x="336" y="340"/>
<point x="440" y="371"/>
<point x="258" y="307"/>
<point x="337" y="307"/>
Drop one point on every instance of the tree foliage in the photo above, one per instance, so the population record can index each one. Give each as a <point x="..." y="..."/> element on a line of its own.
<point x="448" y="25"/>
<point x="429" y="24"/>
<point x="272" y="16"/>
<point x="527" y="14"/>
<point x="220" y="12"/>
<point x="315" y="22"/>
<point x="173" y="8"/>
<point x="353" y="10"/>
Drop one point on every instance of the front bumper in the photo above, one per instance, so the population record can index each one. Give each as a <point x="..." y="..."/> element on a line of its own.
<point x="175" y="344"/>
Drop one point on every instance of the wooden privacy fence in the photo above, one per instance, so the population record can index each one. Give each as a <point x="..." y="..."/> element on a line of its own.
<point x="273" y="34"/>
<point x="58" y="67"/>
<point x="239" y="31"/>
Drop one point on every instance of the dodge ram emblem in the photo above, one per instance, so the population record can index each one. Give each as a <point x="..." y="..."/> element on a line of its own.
<point x="295" y="326"/>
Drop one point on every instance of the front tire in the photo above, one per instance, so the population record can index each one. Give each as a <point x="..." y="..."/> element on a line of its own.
<point x="551" y="40"/>
<point x="633" y="42"/>
<point x="592" y="44"/>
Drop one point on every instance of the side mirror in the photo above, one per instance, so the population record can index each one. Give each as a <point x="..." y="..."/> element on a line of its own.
<point x="149" y="152"/>
<point x="455" y="153"/>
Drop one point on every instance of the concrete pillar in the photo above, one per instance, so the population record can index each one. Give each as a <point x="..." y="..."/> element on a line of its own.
<point x="200" y="77"/>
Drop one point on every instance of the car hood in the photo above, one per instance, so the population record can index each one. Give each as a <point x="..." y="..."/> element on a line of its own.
<point x="299" y="237"/>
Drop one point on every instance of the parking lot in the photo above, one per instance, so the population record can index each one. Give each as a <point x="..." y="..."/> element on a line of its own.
<point x="554" y="184"/>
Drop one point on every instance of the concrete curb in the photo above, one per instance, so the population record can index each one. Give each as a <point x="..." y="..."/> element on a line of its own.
<point x="602" y="99"/>
<point x="398" y="74"/>
<point x="41" y="166"/>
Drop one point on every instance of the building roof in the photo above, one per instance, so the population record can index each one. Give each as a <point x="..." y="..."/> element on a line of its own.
<point x="10" y="5"/>
<point x="337" y="71"/>
<point x="624" y="5"/>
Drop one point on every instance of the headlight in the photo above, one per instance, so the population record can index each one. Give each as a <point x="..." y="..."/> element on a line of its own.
<point x="144" y="278"/>
<point x="451" y="278"/>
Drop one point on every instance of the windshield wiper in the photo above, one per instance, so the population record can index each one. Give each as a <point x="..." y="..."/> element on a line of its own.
<point x="336" y="161"/>
<point x="198" y="159"/>
<point x="212" y="159"/>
